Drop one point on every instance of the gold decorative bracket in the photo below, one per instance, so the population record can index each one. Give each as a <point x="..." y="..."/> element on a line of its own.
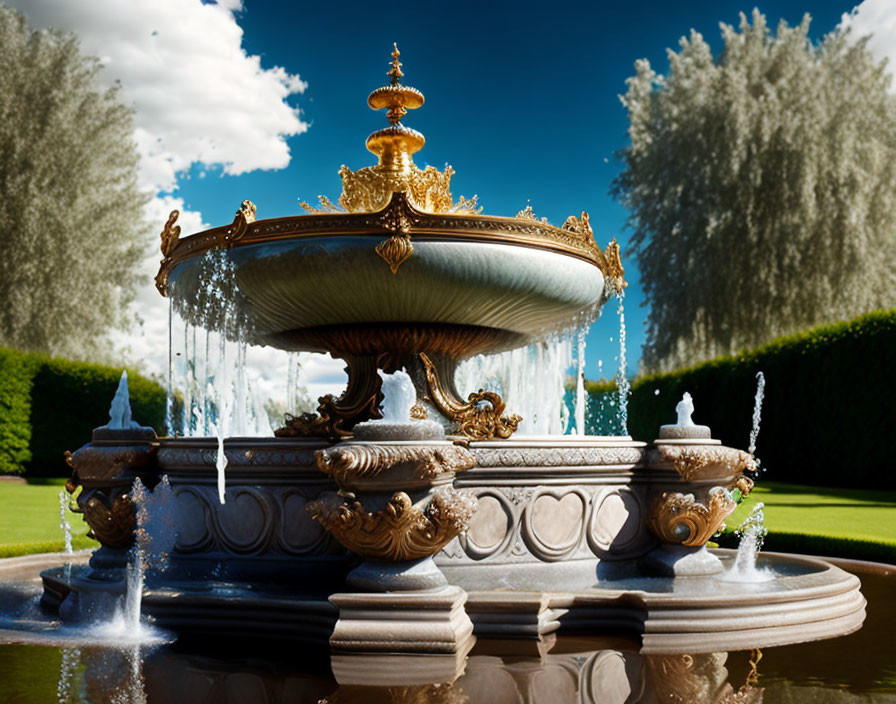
<point x="245" y="216"/>
<point x="170" y="237"/>
<point x="336" y="417"/>
<point x="479" y="418"/>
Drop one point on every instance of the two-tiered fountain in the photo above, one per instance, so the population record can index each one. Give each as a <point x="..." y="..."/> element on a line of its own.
<point x="402" y="517"/>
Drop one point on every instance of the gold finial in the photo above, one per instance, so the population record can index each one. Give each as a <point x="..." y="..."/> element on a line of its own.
<point x="395" y="72"/>
<point x="395" y="144"/>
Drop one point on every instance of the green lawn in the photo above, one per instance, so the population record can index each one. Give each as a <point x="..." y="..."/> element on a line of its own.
<point x="29" y="520"/>
<point x="851" y="523"/>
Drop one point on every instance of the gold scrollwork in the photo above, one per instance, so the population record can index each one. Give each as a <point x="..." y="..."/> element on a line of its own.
<point x="580" y="226"/>
<point x="326" y="206"/>
<point x="395" y="251"/>
<point x="700" y="678"/>
<point x="695" y="462"/>
<point x="170" y="233"/>
<point x="113" y="527"/>
<point x="444" y="693"/>
<point x="479" y="418"/>
<point x="245" y="216"/>
<point x="528" y="213"/>
<point x="170" y="239"/>
<point x="610" y="263"/>
<point x="399" y="532"/>
<point x="744" y="485"/>
<point x="336" y="417"/>
<point x="681" y="519"/>
<point x="363" y="461"/>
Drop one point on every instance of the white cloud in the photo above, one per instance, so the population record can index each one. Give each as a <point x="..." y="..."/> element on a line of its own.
<point x="198" y="98"/>
<point x="877" y="18"/>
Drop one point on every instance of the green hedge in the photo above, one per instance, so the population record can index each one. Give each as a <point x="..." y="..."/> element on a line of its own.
<point x="829" y="414"/>
<point x="49" y="405"/>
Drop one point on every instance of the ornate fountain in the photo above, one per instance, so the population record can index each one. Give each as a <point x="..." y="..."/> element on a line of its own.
<point x="402" y="517"/>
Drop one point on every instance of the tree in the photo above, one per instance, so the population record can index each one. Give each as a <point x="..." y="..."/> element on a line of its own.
<point x="761" y="187"/>
<point x="72" y="224"/>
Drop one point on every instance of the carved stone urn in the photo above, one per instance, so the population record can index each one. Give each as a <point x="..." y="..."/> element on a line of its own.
<point x="105" y="469"/>
<point x="700" y="490"/>
<point x="396" y="508"/>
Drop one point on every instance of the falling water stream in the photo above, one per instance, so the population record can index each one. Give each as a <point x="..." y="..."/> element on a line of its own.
<point x="622" y="383"/>
<point x="66" y="528"/>
<point x="581" y="400"/>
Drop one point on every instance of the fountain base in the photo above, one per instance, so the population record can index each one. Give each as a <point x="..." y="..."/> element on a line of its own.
<point x="808" y="599"/>
<point x="429" y="621"/>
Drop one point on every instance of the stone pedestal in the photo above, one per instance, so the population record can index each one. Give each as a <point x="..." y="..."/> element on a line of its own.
<point x="430" y="621"/>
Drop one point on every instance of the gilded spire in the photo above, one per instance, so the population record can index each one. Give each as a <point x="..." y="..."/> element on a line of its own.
<point x="395" y="144"/>
<point x="395" y="72"/>
<point x="370" y="188"/>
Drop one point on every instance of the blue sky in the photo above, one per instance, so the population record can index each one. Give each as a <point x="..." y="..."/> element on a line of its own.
<point x="521" y="99"/>
<point x="265" y="100"/>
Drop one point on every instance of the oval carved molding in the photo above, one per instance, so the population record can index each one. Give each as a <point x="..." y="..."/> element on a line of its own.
<point x="244" y="522"/>
<point x="617" y="523"/>
<point x="192" y="510"/>
<point x="491" y="529"/>
<point x="553" y="522"/>
<point x="299" y="534"/>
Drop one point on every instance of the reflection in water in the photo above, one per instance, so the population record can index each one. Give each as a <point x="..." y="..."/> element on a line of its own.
<point x="114" y="676"/>
<point x="701" y="679"/>
<point x="71" y="658"/>
<point x="136" y="676"/>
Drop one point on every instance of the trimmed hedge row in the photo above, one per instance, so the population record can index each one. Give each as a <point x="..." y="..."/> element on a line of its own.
<point x="49" y="405"/>
<point x="829" y="415"/>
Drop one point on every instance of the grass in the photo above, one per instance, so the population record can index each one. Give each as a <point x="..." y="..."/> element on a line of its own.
<point x="29" y="520"/>
<point x="851" y="523"/>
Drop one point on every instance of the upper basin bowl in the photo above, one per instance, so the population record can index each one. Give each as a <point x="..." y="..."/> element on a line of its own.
<point x="479" y="283"/>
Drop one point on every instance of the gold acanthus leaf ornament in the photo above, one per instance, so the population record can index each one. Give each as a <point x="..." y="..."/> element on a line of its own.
<point x="610" y="263"/>
<point x="680" y="519"/>
<point x="399" y="532"/>
<point x="581" y="226"/>
<point x="479" y="418"/>
<point x="245" y="216"/>
<point x="113" y="527"/>
<point x="326" y="206"/>
<point x="395" y="251"/>
<point x="528" y="213"/>
<point x="696" y="462"/>
<point x="336" y="417"/>
<point x="170" y="233"/>
<point x="369" y="189"/>
<point x="360" y="461"/>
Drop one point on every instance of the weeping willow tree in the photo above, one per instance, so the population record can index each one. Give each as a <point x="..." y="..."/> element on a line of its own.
<point x="761" y="186"/>
<point x="71" y="222"/>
